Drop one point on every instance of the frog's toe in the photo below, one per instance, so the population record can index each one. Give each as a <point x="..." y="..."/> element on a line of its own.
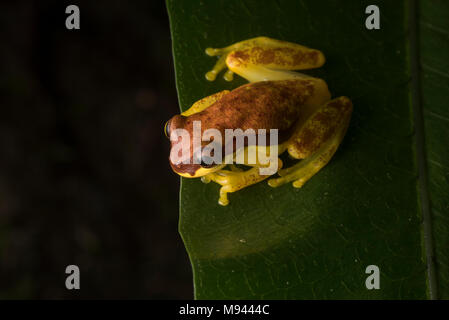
<point x="229" y="75"/>
<point x="205" y="179"/>
<point x="276" y="182"/>
<point x="223" y="199"/>
<point x="298" y="183"/>
<point x="214" y="52"/>
<point x="211" y="75"/>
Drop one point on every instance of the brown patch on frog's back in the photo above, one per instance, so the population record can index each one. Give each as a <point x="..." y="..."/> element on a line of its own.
<point x="260" y="105"/>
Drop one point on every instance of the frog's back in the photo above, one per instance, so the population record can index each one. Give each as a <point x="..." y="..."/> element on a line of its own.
<point x="260" y="105"/>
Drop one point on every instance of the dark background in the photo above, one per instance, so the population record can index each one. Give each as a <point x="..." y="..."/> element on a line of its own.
<point x="84" y="174"/>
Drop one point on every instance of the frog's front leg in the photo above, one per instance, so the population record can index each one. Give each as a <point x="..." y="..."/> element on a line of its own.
<point x="316" y="142"/>
<point x="264" y="58"/>
<point x="235" y="180"/>
<point x="204" y="103"/>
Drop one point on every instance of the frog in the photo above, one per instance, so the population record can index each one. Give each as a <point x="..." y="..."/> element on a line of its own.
<point x="310" y="123"/>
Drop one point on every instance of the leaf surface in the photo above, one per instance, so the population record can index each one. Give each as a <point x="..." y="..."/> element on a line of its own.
<point x="366" y="206"/>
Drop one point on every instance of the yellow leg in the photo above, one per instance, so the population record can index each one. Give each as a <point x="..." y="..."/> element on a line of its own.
<point x="263" y="58"/>
<point x="232" y="181"/>
<point x="202" y="104"/>
<point x="316" y="141"/>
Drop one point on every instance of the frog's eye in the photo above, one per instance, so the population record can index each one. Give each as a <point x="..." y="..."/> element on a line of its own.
<point x="167" y="129"/>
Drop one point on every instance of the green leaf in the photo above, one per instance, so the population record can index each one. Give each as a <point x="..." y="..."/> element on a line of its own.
<point x="382" y="194"/>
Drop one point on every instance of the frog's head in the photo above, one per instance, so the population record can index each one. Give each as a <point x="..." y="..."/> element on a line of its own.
<point x="180" y="132"/>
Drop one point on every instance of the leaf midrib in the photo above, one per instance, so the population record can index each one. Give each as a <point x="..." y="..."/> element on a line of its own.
<point x="420" y="153"/>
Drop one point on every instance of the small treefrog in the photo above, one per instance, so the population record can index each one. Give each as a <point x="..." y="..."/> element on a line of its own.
<point x="310" y="124"/>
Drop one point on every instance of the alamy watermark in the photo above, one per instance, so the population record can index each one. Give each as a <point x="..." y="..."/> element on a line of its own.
<point x="255" y="152"/>
<point x="73" y="279"/>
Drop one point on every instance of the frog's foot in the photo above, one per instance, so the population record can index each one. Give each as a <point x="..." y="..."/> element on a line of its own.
<point x="235" y="180"/>
<point x="264" y="58"/>
<point x="316" y="142"/>
<point x="222" y="53"/>
<point x="219" y="66"/>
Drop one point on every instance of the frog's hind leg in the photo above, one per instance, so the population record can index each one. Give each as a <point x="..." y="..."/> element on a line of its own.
<point x="316" y="142"/>
<point x="264" y="58"/>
